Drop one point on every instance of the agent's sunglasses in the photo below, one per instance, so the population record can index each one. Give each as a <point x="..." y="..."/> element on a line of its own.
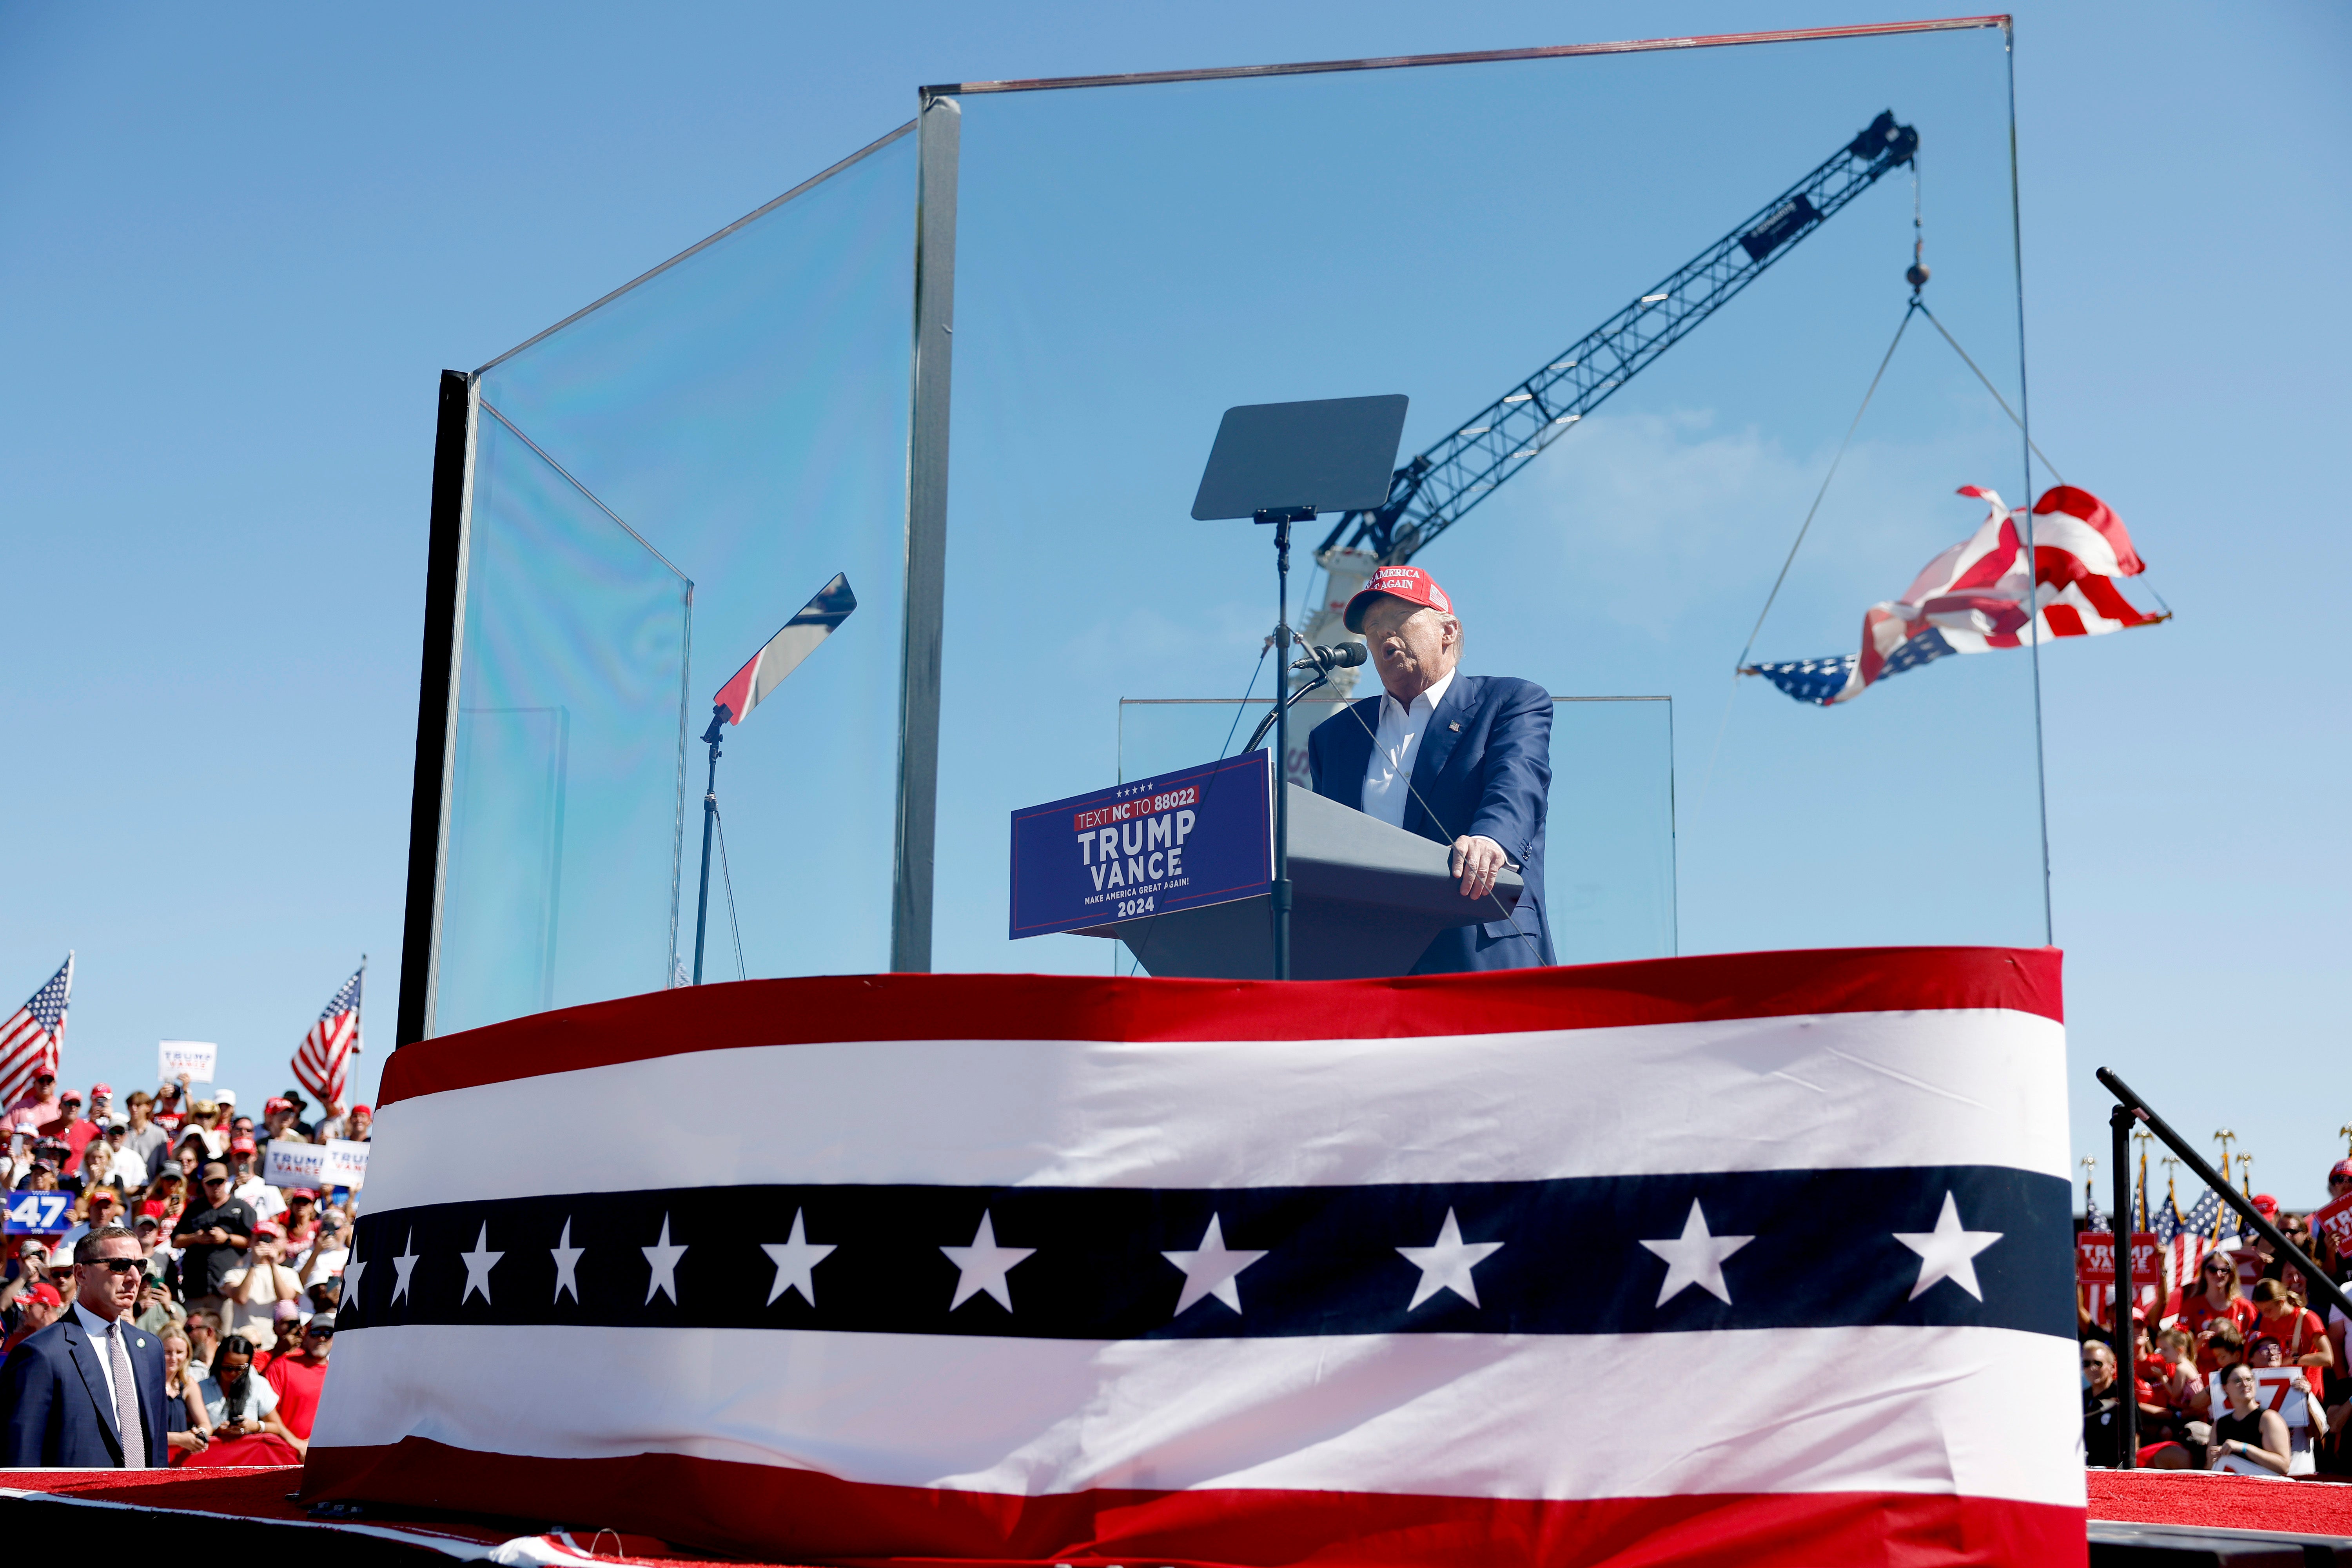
<point x="117" y="1265"/>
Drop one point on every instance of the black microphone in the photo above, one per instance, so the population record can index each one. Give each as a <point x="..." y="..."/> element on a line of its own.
<point x="1347" y="656"/>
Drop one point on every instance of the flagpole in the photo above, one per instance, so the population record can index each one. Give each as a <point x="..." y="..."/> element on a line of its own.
<point x="710" y="738"/>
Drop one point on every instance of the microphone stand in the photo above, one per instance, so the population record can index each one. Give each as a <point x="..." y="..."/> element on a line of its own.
<point x="1321" y="679"/>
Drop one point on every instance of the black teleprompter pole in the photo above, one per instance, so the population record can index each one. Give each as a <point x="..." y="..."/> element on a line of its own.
<point x="1282" y="518"/>
<point x="710" y="738"/>
<point x="2137" y="1110"/>
<point x="2127" y="1344"/>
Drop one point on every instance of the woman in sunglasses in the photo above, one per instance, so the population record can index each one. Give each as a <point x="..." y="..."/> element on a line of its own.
<point x="2215" y="1298"/>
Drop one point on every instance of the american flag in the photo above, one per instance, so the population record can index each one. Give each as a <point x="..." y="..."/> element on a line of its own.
<point x="323" y="1062"/>
<point x="1975" y="596"/>
<point x="1054" y="1269"/>
<point x="2092" y="1219"/>
<point x="30" y="1041"/>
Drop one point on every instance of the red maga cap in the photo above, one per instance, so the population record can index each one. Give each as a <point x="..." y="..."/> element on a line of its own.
<point x="2265" y="1205"/>
<point x="1411" y="584"/>
<point x="2341" y="1168"/>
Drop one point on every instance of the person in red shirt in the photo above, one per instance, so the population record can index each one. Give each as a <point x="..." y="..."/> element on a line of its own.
<point x="2297" y="1329"/>
<point x="298" y="1377"/>
<point x="2215" y="1299"/>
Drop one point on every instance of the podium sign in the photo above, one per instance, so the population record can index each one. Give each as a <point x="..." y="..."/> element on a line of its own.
<point x="1186" y="839"/>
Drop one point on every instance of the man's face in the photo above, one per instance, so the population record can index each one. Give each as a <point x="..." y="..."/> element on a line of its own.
<point x="109" y="1286"/>
<point x="2099" y="1362"/>
<point x="316" y="1345"/>
<point x="360" y="1119"/>
<point x="101" y="1209"/>
<point x="1412" y="644"/>
<point x="101" y="1106"/>
<point x="242" y="1127"/>
<point x="216" y="1190"/>
<point x="45" y="1085"/>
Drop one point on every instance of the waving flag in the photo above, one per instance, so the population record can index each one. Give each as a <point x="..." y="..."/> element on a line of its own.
<point x="322" y="1063"/>
<point x="1042" y="1268"/>
<point x="783" y="653"/>
<point x="31" y="1040"/>
<point x="1975" y="596"/>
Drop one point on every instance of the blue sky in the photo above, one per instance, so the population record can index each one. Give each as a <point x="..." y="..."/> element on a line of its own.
<point x="238" y="249"/>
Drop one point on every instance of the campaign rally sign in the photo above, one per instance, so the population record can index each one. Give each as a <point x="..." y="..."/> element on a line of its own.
<point x="294" y="1163"/>
<point x="37" y="1214"/>
<point x="197" y="1059"/>
<point x="1199" y="836"/>
<point x="2334" y="1222"/>
<point x="345" y="1164"/>
<point x="2095" y="1258"/>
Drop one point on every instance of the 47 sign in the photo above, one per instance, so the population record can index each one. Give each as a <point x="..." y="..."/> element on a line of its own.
<point x="37" y="1214"/>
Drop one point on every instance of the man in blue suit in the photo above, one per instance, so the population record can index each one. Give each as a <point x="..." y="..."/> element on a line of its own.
<point x="74" y="1391"/>
<point x="1463" y="759"/>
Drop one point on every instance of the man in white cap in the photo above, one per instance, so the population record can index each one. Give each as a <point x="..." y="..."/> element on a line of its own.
<point x="1463" y="759"/>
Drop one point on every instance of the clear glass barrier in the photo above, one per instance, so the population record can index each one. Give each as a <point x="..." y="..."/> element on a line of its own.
<point x="745" y="410"/>
<point x="1132" y="260"/>
<point x="1612" y="840"/>
<point x="567" y="785"/>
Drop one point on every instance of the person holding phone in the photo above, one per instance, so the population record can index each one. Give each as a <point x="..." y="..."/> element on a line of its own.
<point x="2249" y="1440"/>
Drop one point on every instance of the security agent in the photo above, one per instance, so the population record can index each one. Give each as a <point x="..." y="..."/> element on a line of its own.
<point x="1463" y="759"/>
<point x="73" y="1391"/>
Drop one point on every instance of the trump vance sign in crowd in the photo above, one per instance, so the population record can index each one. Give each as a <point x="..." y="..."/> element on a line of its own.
<point x="1762" y="1258"/>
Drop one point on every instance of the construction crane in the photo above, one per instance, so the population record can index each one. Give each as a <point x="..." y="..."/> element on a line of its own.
<point x="1437" y="488"/>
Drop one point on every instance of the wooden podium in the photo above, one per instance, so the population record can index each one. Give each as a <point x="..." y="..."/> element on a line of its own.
<point x="1368" y="901"/>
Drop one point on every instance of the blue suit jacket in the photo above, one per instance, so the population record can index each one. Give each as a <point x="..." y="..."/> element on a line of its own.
<point x="1484" y="768"/>
<point x="57" y="1410"/>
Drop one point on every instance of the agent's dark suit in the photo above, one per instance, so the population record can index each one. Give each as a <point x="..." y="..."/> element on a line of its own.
<point x="57" y="1410"/>
<point x="1483" y="769"/>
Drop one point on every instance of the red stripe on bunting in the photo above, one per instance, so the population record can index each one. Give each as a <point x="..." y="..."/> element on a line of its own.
<point x="760" y="1509"/>
<point x="820" y="1008"/>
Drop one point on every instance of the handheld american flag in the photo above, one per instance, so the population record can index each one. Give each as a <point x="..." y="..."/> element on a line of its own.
<point x="31" y="1041"/>
<point x="322" y="1063"/>
<point x="1976" y="597"/>
<point x="1054" y="1269"/>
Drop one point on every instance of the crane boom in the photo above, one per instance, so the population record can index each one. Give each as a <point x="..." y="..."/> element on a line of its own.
<point x="1438" y="487"/>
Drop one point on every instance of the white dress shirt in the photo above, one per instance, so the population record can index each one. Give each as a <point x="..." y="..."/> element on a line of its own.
<point x="97" y="1328"/>
<point x="1387" y="776"/>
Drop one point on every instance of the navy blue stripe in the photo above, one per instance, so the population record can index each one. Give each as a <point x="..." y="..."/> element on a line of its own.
<point x="1824" y="1254"/>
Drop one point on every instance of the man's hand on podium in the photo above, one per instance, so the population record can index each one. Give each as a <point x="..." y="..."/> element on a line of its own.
<point x="1477" y="860"/>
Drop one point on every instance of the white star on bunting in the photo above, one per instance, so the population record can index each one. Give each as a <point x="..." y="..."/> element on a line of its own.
<point x="1948" y="1252"/>
<point x="567" y="1265"/>
<point x="1447" y="1265"/>
<point x="796" y="1260"/>
<point x="983" y="1265"/>
<point x="478" y="1264"/>
<point x="406" y="1264"/>
<point x="1695" y="1258"/>
<point x="1212" y="1269"/>
<point x="663" y="1259"/>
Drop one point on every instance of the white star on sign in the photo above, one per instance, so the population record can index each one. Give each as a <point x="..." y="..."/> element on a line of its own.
<point x="663" y="1259"/>
<point x="567" y="1264"/>
<point x="478" y="1264"/>
<point x="352" y="1272"/>
<point x="983" y="1265"/>
<point x="1447" y="1265"/>
<point x="1695" y="1258"/>
<point x="1948" y="1252"/>
<point x="796" y="1260"/>
<point x="1212" y="1269"/>
<point x="406" y="1264"/>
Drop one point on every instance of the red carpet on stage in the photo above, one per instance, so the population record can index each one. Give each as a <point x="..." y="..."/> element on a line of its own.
<point x="2221" y="1501"/>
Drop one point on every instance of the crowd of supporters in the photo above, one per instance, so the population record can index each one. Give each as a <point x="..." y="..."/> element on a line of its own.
<point x="2235" y="1369"/>
<point x="240" y="1278"/>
